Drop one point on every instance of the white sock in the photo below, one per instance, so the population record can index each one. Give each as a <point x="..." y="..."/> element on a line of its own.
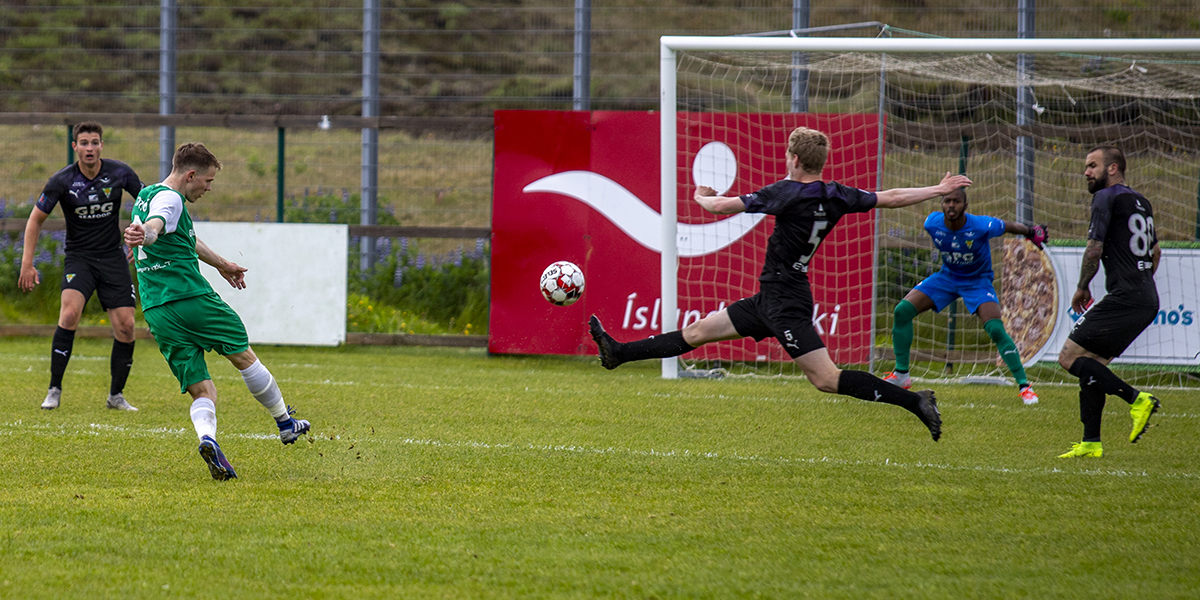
<point x="204" y="418"/>
<point x="262" y="386"/>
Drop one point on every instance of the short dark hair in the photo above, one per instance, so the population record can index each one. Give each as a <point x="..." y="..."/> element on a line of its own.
<point x="1112" y="156"/>
<point x="194" y="155"/>
<point x="87" y="127"/>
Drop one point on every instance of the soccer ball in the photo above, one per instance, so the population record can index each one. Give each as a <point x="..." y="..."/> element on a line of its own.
<point x="562" y="283"/>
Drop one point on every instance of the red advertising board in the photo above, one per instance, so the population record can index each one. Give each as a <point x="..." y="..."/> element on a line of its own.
<point x="584" y="187"/>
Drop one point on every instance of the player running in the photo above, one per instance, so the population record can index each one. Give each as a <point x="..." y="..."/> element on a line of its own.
<point x="806" y="209"/>
<point x="89" y="191"/>
<point x="962" y="241"/>
<point x="185" y="315"/>
<point x="1121" y="235"/>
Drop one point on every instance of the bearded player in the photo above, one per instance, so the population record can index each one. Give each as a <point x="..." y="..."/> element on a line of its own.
<point x="1121" y="236"/>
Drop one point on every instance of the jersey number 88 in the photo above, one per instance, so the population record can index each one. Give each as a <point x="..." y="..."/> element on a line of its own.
<point x="1141" y="230"/>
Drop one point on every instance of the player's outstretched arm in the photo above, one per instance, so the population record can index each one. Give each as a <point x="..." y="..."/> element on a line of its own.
<point x="1038" y="234"/>
<point x="708" y="199"/>
<point x="234" y="274"/>
<point x="900" y="197"/>
<point x="33" y="228"/>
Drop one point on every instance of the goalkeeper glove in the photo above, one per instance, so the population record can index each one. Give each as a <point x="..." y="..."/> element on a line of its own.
<point x="1038" y="235"/>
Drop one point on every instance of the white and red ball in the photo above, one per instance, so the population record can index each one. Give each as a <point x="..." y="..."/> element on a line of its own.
<point x="562" y="283"/>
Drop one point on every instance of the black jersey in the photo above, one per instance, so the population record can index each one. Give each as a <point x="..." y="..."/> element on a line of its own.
<point x="92" y="207"/>
<point x="1124" y="221"/>
<point x="804" y="214"/>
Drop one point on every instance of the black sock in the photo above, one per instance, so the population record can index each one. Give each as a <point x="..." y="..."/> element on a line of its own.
<point x="657" y="346"/>
<point x="1092" y="371"/>
<point x="119" y="365"/>
<point x="1091" y="410"/>
<point x="60" y="354"/>
<point x="865" y="386"/>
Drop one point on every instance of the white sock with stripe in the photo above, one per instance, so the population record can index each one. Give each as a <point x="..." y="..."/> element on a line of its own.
<point x="204" y="418"/>
<point x="262" y="385"/>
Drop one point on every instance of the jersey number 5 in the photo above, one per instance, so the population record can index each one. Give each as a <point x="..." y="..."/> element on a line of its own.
<point x="814" y="240"/>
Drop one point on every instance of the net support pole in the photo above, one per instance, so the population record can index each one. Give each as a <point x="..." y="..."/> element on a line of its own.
<point x="168" y="25"/>
<point x="667" y="158"/>
<point x="881" y="141"/>
<point x="800" y="12"/>
<point x="964" y="151"/>
<point x="280" y="172"/>
<point x="1026" y="9"/>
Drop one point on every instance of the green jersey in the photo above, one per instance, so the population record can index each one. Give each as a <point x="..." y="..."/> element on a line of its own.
<point x="169" y="269"/>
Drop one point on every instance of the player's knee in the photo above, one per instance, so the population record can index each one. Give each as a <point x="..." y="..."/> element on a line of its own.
<point x="243" y="360"/>
<point x="123" y="330"/>
<point x="905" y="312"/>
<point x="1066" y="359"/>
<point x="68" y="318"/>
<point x="995" y="330"/>
<point x="826" y="381"/>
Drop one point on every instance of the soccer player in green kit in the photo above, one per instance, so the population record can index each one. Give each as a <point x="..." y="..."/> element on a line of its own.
<point x="185" y="315"/>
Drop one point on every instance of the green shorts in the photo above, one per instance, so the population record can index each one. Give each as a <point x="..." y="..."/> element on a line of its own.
<point x="185" y="329"/>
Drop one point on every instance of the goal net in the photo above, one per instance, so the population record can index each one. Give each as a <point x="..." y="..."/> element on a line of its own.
<point x="1016" y="116"/>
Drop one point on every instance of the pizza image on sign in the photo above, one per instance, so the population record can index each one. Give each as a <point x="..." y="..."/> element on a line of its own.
<point x="1029" y="296"/>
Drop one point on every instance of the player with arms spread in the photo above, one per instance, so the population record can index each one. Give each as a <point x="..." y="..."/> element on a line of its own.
<point x="185" y="315"/>
<point x="806" y="209"/>
<point x="1121" y="236"/>
<point x="89" y="191"/>
<point x="962" y="241"/>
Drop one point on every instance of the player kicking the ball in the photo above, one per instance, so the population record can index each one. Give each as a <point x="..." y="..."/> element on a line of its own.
<point x="806" y="210"/>
<point x="962" y="242"/>
<point x="185" y="315"/>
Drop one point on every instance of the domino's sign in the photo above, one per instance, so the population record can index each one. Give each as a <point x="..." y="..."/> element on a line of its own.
<point x="1174" y="336"/>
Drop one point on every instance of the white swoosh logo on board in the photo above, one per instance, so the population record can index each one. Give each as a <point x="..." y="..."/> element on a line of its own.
<point x="639" y="221"/>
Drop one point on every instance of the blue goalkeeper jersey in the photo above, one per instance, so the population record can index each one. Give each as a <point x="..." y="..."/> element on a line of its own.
<point x="965" y="252"/>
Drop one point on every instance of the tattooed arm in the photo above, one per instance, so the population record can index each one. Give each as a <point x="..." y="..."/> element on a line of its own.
<point x="1091" y="264"/>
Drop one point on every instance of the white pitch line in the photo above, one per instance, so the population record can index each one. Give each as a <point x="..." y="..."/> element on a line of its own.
<point x="97" y="429"/>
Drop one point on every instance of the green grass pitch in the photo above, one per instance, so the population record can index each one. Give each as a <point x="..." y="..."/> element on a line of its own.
<point x="451" y="474"/>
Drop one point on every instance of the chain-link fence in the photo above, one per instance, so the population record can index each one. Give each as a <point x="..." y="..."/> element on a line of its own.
<point x="444" y="68"/>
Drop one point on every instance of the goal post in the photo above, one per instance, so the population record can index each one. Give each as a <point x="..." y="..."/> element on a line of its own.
<point x="740" y="88"/>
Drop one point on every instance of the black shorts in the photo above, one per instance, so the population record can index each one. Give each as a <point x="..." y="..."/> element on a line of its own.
<point x="1111" y="325"/>
<point x="108" y="277"/>
<point x="780" y="310"/>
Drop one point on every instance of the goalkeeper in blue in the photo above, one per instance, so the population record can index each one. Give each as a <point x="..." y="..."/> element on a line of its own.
<point x="962" y="241"/>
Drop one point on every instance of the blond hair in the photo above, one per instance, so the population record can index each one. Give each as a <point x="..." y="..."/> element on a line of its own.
<point x="811" y="147"/>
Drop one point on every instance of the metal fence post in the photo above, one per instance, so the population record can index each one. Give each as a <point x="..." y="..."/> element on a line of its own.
<point x="370" y="135"/>
<point x="168" y="25"/>
<point x="583" y="55"/>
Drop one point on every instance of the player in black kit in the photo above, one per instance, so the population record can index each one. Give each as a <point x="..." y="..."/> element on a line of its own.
<point x="806" y="210"/>
<point x="89" y="191"/>
<point x="1121" y="235"/>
